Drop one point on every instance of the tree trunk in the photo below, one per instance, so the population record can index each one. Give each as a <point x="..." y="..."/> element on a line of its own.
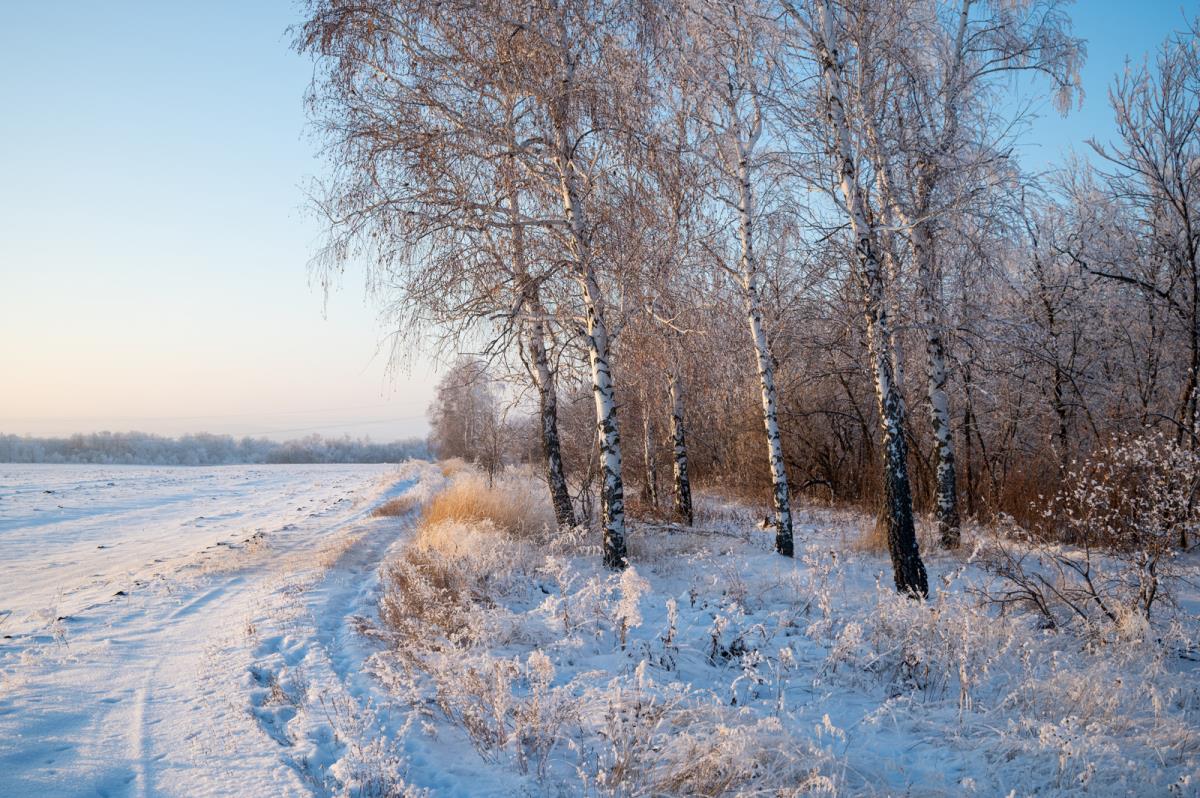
<point x="612" y="492"/>
<point x="560" y="497"/>
<point x="564" y="515"/>
<point x="683" y="485"/>
<point x="968" y="429"/>
<point x="908" y="570"/>
<point x="946" y="491"/>
<point x="766" y="382"/>
<point x="650" y="485"/>
<point x="766" y="366"/>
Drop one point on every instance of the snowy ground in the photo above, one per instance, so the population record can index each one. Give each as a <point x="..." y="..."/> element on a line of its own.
<point x="255" y="631"/>
<point x="715" y="667"/>
<point x="144" y="611"/>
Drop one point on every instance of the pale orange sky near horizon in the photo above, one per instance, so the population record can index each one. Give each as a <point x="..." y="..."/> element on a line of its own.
<point x="154" y="239"/>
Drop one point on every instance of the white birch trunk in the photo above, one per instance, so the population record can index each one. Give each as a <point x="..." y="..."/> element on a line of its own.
<point x="564" y="514"/>
<point x="612" y="491"/>
<point x="946" y="494"/>
<point x="766" y="366"/>
<point x="908" y="570"/>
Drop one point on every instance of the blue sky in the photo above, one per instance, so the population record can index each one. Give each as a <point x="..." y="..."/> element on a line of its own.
<point x="1114" y="30"/>
<point x="154" y="248"/>
<point x="153" y="238"/>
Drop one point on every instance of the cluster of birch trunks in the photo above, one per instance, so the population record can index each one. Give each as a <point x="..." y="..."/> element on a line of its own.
<point x="594" y="191"/>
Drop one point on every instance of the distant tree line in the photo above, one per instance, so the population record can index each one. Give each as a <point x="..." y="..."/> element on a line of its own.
<point x="202" y="449"/>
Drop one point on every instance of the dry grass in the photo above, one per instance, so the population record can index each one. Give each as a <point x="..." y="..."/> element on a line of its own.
<point x="514" y="507"/>
<point x="662" y="512"/>
<point x="428" y="598"/>
<point x="664" y="548"/>
<point x="470" y="544"/>
<point x="454" y="466"/>
<point x="396" y="507"/>
<point x="872" y="536"/>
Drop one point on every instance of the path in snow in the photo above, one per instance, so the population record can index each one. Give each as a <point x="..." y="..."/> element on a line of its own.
<point x="194" y="651"/>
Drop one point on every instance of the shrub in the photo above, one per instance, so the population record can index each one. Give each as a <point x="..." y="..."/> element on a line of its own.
<point x="1135" y="493"/>
<point x="1135" y="501"/>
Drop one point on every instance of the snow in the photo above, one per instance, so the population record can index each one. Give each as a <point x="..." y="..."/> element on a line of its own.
<point x="142" y="603"/>
<point x="715" y="660"/>
<point x="247" y="655"/>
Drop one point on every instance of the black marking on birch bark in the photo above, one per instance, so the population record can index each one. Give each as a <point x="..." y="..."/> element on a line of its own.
<point x="560" y="497"/>
<point x="564" y="514"/>
<point x="612" y="492"/>
<point x="683" y="485"/>
<point x="908" y="570"/>
<point x="946" y="499"/>
<point x="946" y="488"/>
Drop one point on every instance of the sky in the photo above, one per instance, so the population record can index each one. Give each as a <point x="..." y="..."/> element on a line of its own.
<point x="154" y="236"/>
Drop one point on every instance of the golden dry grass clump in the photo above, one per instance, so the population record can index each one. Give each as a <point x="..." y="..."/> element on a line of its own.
<point x="472" y="542"/>
<point x="454" y="466"/>
<point x="512" y="506"/>
<point x="396" y="507"/>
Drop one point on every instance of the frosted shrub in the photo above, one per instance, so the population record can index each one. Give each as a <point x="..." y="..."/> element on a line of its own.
<point x="628" y="613"/>
<point x="600" y="607"/>
<point x="669" y="656"/>
<point x="1137" y="493"/>
<point x="426" y="598"/>
<point x="510" y="711"/>
<point x="1103" y="551"/>
<point x="539" y="717"/>
<point x="1083" y="722"/>
<point x="371" y="765"/>
<point x="667" y="739"/>
<point x="944" y="648"/>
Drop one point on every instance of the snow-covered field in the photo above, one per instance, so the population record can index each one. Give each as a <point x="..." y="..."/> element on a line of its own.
<point x="256" y="631"/>
<point x="144" y="611"/>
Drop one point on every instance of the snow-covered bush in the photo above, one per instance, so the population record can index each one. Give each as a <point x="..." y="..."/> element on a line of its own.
<point x="651" y="739"/>
<point x="943" y="649"/>
<point x="1103" y="549"/>
<point x="1138" y="493"/>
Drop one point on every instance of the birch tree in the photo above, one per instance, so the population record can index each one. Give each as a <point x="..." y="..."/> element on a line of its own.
<point x="574" y="63"/>
<point x="729" y="61"/>
<point x="908" y="569"/>
<point x="935" y="147"/>
<point x="421" y="126"/>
